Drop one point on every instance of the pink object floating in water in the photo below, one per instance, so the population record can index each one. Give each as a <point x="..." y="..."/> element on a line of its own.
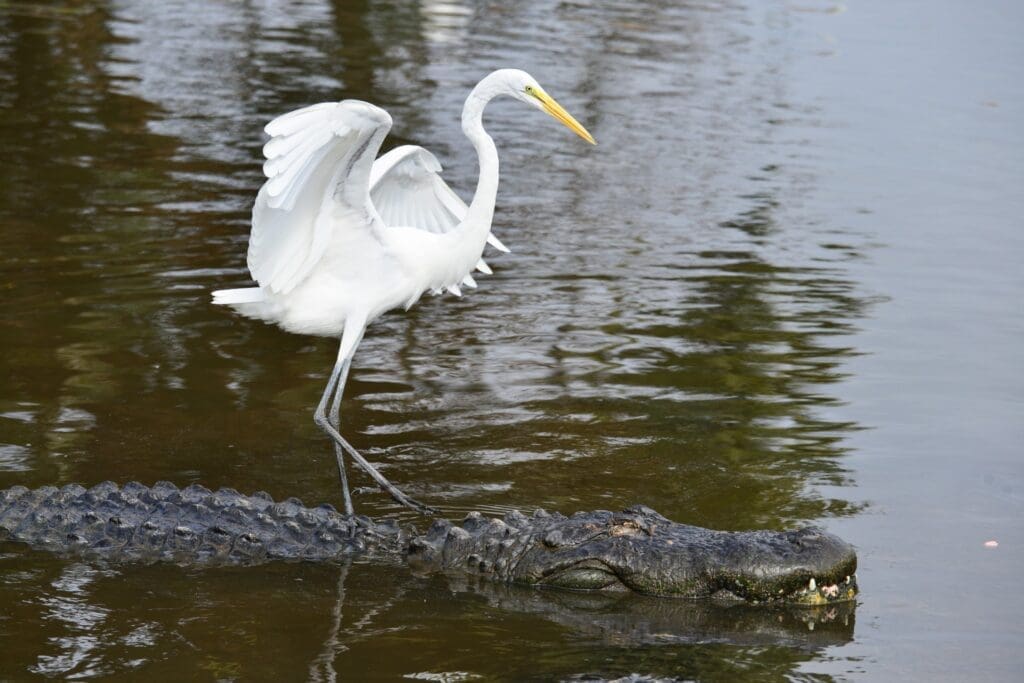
<point x="991" y="544"/>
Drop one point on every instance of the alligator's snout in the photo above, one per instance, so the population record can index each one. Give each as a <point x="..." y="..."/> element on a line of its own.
<point x="822" y="568"/>
<point x="641" y="551"/>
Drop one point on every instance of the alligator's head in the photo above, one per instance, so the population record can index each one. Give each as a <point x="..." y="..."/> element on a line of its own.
<point x="639" y="550"/>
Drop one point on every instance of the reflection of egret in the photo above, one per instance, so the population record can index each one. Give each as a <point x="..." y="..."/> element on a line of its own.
<point x="333" y="645"/>
<point x="338" y="238"/>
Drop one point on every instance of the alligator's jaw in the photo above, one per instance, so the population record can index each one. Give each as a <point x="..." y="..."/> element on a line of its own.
<point x="820" y="593"/>
<point x="649" y="554"/>
<point x="638" y="550"/>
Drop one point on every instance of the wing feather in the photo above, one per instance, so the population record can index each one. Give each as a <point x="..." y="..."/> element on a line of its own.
<point x="407" y="189"/>
<point x="319" y="160"/>
<point x="288" y="175"/>
<point x="294" y="121"/>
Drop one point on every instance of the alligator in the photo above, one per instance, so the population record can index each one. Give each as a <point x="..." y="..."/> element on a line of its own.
<point x="636" y="550"/>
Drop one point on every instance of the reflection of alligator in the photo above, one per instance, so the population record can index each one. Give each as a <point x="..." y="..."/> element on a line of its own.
<point x="634" y="550"/>
<point x="626" y="619"/>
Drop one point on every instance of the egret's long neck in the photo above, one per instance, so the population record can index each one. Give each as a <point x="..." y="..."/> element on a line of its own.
<point x="481" y="209"/>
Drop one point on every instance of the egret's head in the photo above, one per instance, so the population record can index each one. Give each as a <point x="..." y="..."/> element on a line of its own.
<point x="524" y="87"/>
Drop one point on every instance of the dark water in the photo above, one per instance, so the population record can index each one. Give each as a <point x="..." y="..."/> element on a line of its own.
<point x="785" y="287"/>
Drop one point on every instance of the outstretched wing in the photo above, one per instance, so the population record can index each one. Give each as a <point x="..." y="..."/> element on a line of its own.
<point x="407" y="190"/>
<point x="318" y="169"/>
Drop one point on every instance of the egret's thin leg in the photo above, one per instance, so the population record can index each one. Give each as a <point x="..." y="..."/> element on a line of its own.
<point x="335" y="419"/>
<point x="340" y="369"/>
<point x="349" y="341"/>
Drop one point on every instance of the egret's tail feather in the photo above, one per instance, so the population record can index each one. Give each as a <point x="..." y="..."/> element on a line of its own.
<point x="247" y="295"/>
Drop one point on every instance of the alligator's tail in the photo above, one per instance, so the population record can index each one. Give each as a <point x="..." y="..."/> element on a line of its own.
<point x="190" y="525"/>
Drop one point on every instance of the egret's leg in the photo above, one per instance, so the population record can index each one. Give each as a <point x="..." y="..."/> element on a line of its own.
<point x="349" y="341"/>
<point x="340" y="369"/>
<point x="335" y="418"/>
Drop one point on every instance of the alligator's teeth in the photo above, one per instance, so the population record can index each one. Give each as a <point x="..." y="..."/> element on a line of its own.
<point x="847" y="579"/>
<point x="812" y="586"/>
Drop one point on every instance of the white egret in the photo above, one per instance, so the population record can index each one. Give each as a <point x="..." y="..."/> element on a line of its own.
<point x="339" y="238"/>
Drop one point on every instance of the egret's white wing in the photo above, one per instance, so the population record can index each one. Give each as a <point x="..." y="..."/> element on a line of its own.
<point x="407" y="190"/>
<point x="318" y="168"/>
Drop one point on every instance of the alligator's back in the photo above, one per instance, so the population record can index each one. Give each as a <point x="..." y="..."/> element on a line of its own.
<point x="162" y="522"/>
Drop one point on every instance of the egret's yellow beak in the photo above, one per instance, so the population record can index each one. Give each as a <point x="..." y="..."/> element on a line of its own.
<point x="556" y="110"/>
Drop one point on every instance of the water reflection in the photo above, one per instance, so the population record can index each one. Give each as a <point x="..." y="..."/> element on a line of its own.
<point x="322" y="668"/>
<point x="666" y="330"/>
<point x="321" y="619"/>
<point x="83" y="622"/>
<point x="629" y="621"/>
<point x="88" y="169"/>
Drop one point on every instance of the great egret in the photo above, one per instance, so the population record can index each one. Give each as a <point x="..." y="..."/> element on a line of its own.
<point x="338" y="238"/>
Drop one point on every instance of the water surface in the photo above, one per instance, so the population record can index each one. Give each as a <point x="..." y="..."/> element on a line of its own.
<point x="784" y="288"/>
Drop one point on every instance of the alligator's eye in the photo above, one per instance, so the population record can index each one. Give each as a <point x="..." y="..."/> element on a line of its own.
<point x="584" y="579"/>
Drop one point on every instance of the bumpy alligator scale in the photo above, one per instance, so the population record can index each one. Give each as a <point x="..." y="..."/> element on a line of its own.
<point x="634" y="550"/>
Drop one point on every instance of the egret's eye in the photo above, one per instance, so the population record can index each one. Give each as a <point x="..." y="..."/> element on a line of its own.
<point x="529" y="90"/>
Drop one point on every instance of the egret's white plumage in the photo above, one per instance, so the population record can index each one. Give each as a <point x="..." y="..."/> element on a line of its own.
<point x="339" y="236"/>
<point x="406" y="188"/>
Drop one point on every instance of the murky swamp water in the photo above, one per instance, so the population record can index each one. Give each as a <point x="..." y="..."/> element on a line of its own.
<point x="785" y="287"/>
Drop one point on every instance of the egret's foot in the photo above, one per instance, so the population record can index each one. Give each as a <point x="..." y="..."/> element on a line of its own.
<point x="392" y="490"/>
<point x="411" y="503"/>
<point x="396" y="493"/>
<point x="400" y="497"/>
